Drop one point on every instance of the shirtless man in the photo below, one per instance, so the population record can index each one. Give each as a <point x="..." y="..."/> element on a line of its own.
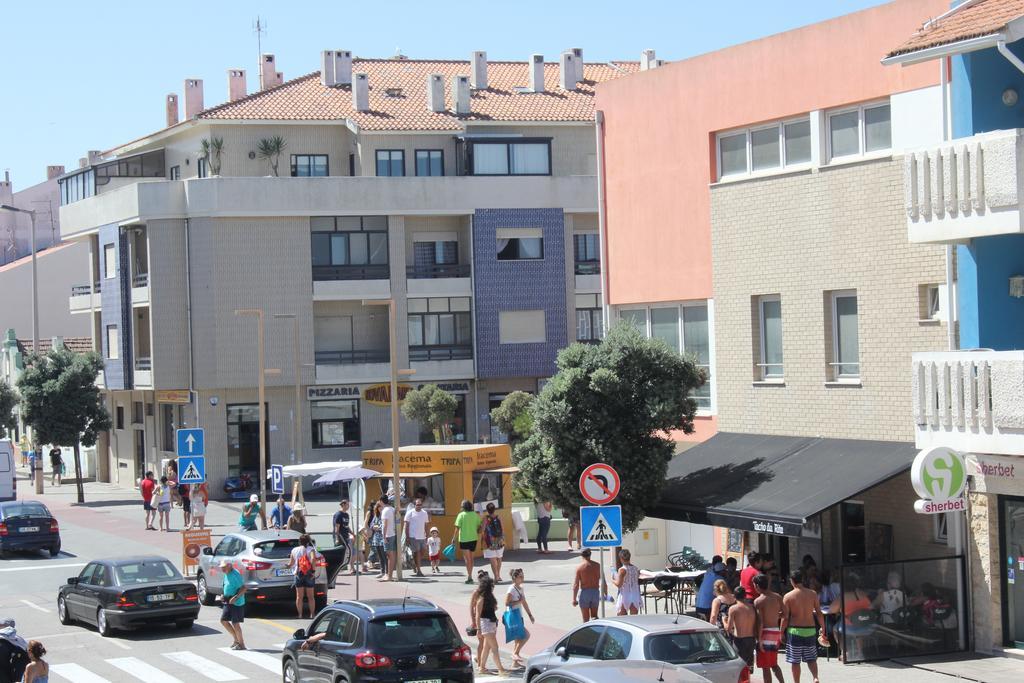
<point x="800" y="612"/>
<point x="586" y="587"/>
<point x="768" y="606"/>
<point x="742" y="621"/>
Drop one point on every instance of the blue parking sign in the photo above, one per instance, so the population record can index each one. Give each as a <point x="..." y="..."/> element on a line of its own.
<point x="277" y="479"/>
<point x="601" y="526"/>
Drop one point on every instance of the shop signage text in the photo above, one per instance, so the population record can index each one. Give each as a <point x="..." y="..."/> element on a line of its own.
<point x="380" y="394"/>
<point x="768" y="527"/>
<point x="927" y="507"/>
<point x="450" y="387"/>
<point x="939" y="476"/>
<point x="1000" y="474"/>
<point x="173" y="396"/>
<point x="334" y="391"/>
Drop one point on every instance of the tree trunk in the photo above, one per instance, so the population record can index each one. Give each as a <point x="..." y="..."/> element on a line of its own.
<point x="79" y="488"/>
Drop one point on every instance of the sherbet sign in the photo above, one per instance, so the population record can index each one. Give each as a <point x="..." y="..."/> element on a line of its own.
<point x="939" y="475"/>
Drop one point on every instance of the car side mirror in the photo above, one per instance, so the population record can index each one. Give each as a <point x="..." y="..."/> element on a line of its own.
<point x="299" y="634"/>
<point x="562" y="653"/>
<point x="73" y="581"/>
<point x="207" y="550"/>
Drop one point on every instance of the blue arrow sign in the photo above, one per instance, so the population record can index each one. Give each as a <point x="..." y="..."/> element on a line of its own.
<point x="277" y="479"/>
<point x="191" y="442"/>
<point x="191" y="469"/>
<point x="601" y="526"/>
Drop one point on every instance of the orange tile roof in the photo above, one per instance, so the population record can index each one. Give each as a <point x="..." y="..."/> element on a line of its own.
<point x="305" y="99"/>
<point x="970" y="20"/>
<point x="75" y="344"/>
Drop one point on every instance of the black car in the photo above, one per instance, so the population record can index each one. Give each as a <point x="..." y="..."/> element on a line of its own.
<point x="410" y="640"/>
<point x="28" y="525"/>
<point x="127" y="592"/>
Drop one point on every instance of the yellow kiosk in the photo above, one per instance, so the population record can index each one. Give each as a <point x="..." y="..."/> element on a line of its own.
<point x="449" y="474"/>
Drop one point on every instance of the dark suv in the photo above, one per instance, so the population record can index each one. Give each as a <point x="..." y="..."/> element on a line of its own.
<point x="410" y="640"/>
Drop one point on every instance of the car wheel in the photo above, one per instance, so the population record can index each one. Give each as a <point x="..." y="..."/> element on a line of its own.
<point x="102" y="625"/>
<point x="204" y="594"/>
<point x="530" y="675"/>
<point x="55" y="550"/>
<point x="62" y="611"/>
<point x="184" y="623"/>
<point x="291" y="673"/>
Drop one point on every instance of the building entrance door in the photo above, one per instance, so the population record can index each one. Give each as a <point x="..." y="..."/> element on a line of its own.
<point x="244" y="440"/>
<point x="140" y="453"/>
<point x="1013" y="569"/>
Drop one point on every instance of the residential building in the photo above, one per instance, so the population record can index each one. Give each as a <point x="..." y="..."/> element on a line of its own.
<point x="16" y="228"/>
<point x="463" y="191"/>
<point x="966" y="192"/>
<point x="767" y="191"/>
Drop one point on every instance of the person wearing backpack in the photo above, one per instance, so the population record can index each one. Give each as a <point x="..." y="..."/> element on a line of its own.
<point x="303" y="561"/>
<point x="494" y="541"/>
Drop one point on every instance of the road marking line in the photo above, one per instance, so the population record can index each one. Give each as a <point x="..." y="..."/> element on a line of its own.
<point x="141" y="670"/>
<point x="206" y="667"/>
<point x="76" y="673"/>
<point x="260" y="659"/>
<point x="287" y="629"/>
<point x="35" y="606"/>
<point x="42" y="566"/>
<point x="112" y="641"/>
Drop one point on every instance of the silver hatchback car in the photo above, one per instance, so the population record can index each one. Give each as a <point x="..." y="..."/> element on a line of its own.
<point x="684" y="642"/>
<point x="620" y="672"/>
<point x="261" y="557"/>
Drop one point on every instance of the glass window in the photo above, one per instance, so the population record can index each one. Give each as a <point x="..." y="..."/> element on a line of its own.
<point x="844" y="133"/>
<point x="335" y="423"/>
<point x="490" y="159"/>
<point x="688" y="647"/>
<point x="589" y="324"/>
<point x="87" y="573"/>
<point x="113" y="346"/>
<point x="390" y="162"/>
<point x="307" y="165"/>
<point x="202" y="167"/>
<point x="520" y="248"/>
<point x="844" y="309"/>
<point x="429" y="162"/>
<point x="665" y="326"/>
<point x="616" y="644"/>
<point x="529" y="158"/>
<point x="637" y="317"/>
<point x="146" y="571"/>
<point x="586" y="254"/>
<point x="511" y="158"/>
<point x="771" y="337"/>
<point x="798" y="142"/>
<point x="764" y="148"/>
<point x="168" y="425"/>
<point x="696" y="341"/>
<point x="109" y="261"/>
<point x="175" y="172"/>
<point x="487" y="489"/>
<point x="877" y="128"/>
<point x="583" y="642"/>
<point x="733" y="153"/>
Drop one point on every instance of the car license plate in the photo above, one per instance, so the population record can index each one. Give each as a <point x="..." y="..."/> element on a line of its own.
<point x="29" y="529"/>
<point x="283" y="572"/>
<point x="159" y="597"/>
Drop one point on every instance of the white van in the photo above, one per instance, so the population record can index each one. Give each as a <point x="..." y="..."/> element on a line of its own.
<point x="8" y="486"/>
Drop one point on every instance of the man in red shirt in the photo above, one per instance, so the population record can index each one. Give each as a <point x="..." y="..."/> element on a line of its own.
<point x="752" y="569"/>
<point x="146" y="488"/>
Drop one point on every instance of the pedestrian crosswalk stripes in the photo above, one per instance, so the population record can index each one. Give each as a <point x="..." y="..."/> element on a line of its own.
<point x="74" y="672"/>
<point x="268" y="662"/>
<point x="142" y="670"/>
<point x="204" y="666"/>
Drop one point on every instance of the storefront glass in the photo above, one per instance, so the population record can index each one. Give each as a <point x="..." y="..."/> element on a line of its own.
<point x="335" y="423"/>
<point x="1013" y="571"/>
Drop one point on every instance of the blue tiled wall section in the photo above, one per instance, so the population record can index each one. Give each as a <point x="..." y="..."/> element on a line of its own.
<point x="116" y="309"/>
<point x="515" y="286"/>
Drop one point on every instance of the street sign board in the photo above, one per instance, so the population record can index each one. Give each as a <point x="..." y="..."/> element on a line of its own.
<point x="356" y="503"/>
<point x="277" y="479"/>
<point x="601" y="526"/>
<point x="191" y="469"/>
<point x="599" y="484"/>
<point x="191" y="441"/>
<point x="192" y="543"/>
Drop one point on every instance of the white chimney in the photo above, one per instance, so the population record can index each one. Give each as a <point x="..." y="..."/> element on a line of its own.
<point x="567" y="71"/>
<point x="6" y="189"/>
<point x="536" y="65"/>
<point x="343" y="67"/>
<point x="577" y="54"/>
<point x="435" y="92"/>
<point x="361" y="92"/>
<point x="478" y="64"/>
<point x="95" y="156"/>
<point x="460" y="94"/>
<point x="193" y="97"/>
<point x="83" y="162"/>
<point x="268" y="71"/>
<point x="54" y="172"/>
<point x="279" y="78"/>
<point x="236" y="84"/>
<point x="172" y="109"/>
<point x="647" y="60"/>
<point x="327" y="69"/>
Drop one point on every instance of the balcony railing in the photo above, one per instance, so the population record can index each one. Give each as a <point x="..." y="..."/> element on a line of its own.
<point x="375" y="272"/>
<point x="143" y="364"/>
<point x="437" y="270"/>
<point x="140" y="280"/>
<point x="354" y="357"/>
<point x="968" y="188"/>
<point x="970" y="400"/>
<point x="82" y="290"/>
<point x="423" y="353"/>
<point x="588" y="267"/>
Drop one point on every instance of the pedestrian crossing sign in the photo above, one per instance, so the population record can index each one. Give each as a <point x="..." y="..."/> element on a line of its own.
<point x="601" y="526"/>
<point x="191" y="469"/>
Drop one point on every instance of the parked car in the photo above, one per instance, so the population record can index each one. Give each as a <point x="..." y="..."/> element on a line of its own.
<point x="618" y="672"/>
<point x="684" y="642"/>
<point x="8" y="482"/>
<point x="28" y="525"/>
<point x="128" y="592"/>
<point x="262" y="558"/>
<point x="383" y="640"/>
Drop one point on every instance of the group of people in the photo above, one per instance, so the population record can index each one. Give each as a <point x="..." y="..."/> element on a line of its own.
<point x="159" y="496"/>
<point x="483" y="614"/>
<point x="20" y="660"/>
<point x="32" y="457"/>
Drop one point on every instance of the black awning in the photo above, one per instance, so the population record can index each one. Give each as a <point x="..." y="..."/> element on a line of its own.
<point x="773" y="484"/>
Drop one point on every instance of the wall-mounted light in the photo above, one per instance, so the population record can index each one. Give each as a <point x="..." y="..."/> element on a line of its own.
<point x="214" y="401"/>
<point x="252" y="155"/>
<point x="1010" y="97"/>
<point x="1017" y="286"/>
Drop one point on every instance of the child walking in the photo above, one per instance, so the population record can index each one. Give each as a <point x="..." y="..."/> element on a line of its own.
<point x="434" y="550"/>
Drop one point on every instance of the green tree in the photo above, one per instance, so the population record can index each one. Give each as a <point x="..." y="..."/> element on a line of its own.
<point x="61" y="402"/>
<point x="432" y="407"/>
<point x="513" y="416"/>
<point x="8" y="402"/>
<point x="271" y="149"/>
<point x="614" y="402"/>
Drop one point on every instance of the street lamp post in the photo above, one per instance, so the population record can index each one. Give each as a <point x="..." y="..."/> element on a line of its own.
<point x="35" y="288"/>
<point x="261" y="391"/>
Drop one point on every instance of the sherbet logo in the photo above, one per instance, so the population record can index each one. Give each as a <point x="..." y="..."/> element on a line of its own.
<point x="939" y="477"/>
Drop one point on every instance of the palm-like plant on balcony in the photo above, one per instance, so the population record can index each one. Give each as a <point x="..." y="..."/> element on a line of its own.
<point x="211" y="149"/>
<point x="271" y="149"/>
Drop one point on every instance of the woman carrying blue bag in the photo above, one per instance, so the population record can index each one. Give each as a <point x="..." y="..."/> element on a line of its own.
<point x="515" y="604"/>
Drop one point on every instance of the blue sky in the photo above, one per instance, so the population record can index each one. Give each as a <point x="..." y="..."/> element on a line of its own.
<point x="90" y="75"/>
